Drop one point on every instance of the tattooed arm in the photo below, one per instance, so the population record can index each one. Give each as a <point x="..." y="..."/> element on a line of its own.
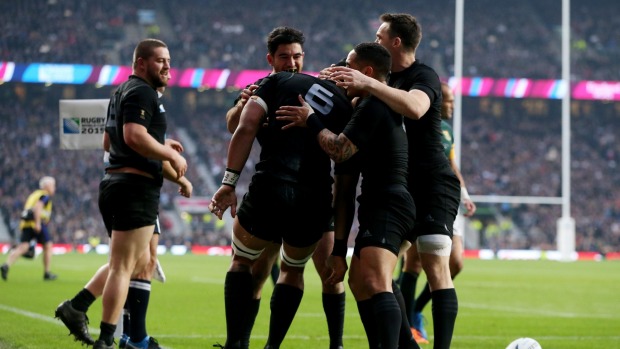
<point x="338" y="147"/>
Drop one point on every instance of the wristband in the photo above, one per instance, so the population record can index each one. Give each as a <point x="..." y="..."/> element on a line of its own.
<point x="231" y="177"/>
<point x="314" y="124"/>
<point x="464" y="194"/>
<point x="340" y="248"/>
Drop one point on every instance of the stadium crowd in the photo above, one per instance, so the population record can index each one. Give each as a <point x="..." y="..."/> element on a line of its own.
<point x="31" y="149"/>
<point x="507" y="152"/>
<point x="503" y="153"/>
<point x="504" y="40"/>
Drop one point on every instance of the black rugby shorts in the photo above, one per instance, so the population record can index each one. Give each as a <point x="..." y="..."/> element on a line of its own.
<point x="128" y="201"/>
<point x="280" y="211"/>
<point x="437" y="195"/>
<point x="385" y="220"/>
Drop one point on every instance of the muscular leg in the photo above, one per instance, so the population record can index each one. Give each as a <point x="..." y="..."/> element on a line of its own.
<point x="261" y="270"/>
<point x="139" y="292"/>
<point x="126" y="249"/>
<point x="96" y="284"/>
<point x="47" y="256"/>
<point x="456" y="256"/>
<point x="238" y="286"/>
<point x="435" y="255"/>
<point x="370" y="277"/>
<point x="288" y="292"/>
<point x="333" y="295"/>
<point x="16" y="253"/>
<point x="412" y="269"/>
<point x="456" y="265"/>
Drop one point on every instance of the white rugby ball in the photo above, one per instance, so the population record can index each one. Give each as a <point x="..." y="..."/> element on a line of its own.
<point x="524" y="343"/>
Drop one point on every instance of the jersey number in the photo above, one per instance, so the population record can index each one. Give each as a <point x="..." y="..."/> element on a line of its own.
<point x="319" y="99"/>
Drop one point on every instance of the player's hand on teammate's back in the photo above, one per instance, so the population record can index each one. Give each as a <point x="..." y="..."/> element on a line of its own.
<point x="246" y="93"/>
<point x="297" y="115"/>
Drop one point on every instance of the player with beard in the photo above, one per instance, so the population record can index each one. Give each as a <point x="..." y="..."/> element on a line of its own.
<point x="73" y="312"/>
<point x="129" y="191"/>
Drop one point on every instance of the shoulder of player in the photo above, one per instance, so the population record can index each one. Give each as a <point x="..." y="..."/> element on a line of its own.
<point x="42" y="195"/>
<point x="374" y="104"/>
<point x="272" y="80"/>
<point x="283" y="75"/>
<point x="139" y="89"/>
<point x="419" y="70"/>
<point x="421" y="66"/>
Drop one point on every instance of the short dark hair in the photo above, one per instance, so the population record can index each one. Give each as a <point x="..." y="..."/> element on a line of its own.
<point x="284" y="36"/>
<point x="375" y="55"/>
<point x="145" y="49"/>
<point x="404" y="26"/>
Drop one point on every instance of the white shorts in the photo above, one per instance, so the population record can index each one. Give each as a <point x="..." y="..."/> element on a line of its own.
<point x="459" y="225"/>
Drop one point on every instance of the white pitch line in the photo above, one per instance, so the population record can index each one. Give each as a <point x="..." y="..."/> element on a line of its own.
<point x="538" y="311"/>
<point x="30" y="314"/>
<point x="51" y="319"/>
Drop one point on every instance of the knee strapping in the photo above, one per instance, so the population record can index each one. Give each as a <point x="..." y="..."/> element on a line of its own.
<point x="243" y="251"/>
<point x="299" y="263"/>
<point x="439" y="245"/>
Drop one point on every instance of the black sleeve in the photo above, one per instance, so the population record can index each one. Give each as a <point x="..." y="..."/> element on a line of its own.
<point x="137" y="105"/>
<point x="428" y="82"/>
<point x="266" y="90"/>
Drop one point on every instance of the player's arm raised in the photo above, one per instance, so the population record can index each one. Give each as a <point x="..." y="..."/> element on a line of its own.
<point x="411" y="104"/>
<point x="234" y="113"/>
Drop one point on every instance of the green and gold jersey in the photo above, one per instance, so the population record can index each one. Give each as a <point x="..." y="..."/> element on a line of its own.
<point x="447" y="139"/>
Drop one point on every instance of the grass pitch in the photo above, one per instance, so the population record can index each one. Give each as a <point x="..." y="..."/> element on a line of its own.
<point x="562" y="305"/>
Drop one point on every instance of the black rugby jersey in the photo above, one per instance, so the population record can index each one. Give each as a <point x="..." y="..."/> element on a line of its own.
<point x="424" y="135"/>
<point x="295" y="154"/>
<point x="378" y="133"/>
<point x="259" y="135"/>
<point x="135" y="101"/>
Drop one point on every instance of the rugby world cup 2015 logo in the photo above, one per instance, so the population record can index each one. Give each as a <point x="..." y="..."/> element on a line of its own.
<point x="71" y="125"/>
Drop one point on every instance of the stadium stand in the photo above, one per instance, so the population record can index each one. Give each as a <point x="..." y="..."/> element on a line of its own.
<point x="501" y="40"/>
